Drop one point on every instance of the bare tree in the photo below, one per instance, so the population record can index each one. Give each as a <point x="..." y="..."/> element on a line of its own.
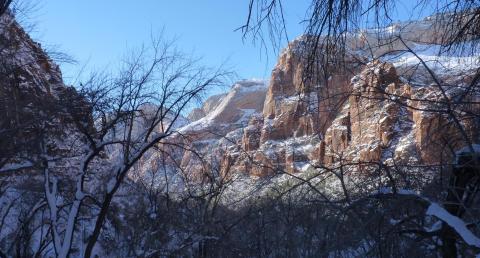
<point x="4" y="4"/>
<point x="330" y="25"/>
<point x="158" y="81"/>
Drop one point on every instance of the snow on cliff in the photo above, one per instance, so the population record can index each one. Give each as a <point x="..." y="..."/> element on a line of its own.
<point x="437" y="60"/>
<point x="236" y="107"/>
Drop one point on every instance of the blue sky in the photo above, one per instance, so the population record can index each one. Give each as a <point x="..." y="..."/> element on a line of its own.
<point x="98" y="32"/>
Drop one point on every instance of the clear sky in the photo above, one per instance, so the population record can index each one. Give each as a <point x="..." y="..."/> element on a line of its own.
<point x="97" y="32"/>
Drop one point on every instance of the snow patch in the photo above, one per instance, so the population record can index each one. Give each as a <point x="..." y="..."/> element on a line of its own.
<point x="454" y="222"/>
<point x="238" y="91"/>
<point x="435" y="59"/>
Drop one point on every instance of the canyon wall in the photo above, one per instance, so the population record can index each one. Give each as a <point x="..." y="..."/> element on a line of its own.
<point x="392" y="109"/>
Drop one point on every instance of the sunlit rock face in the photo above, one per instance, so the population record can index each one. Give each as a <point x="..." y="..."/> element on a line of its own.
<point x="287" y="134"/>
<point x="371" y="112"/>
<point x="368" y="127"/>
<point x="212" y="130"/>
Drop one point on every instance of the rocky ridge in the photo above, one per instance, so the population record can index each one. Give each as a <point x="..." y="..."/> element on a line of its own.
<point x="38" y="109"/>
<point x="377" y="112"/>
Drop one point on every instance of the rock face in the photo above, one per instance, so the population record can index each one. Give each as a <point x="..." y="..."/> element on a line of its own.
<point x="214" y="128"/>
<point x="295" y="106"/>
<point x="389" y="110"/>
<point x="208" y="106"/>
<point x="365" y="129"/>
<point x="229" y="110"/>
<point x="36" y="105"/>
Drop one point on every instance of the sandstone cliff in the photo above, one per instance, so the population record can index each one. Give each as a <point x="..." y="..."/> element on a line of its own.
<point x="38" y="109"/>
<point x="393" y="109"/>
